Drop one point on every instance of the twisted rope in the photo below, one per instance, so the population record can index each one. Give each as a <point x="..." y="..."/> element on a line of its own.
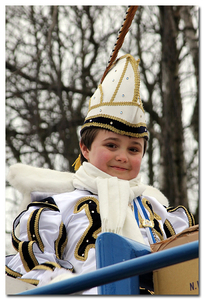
<point x="130" y="13"/>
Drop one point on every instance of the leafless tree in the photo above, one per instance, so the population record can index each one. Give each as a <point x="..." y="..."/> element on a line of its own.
<point x="51" y="55"/>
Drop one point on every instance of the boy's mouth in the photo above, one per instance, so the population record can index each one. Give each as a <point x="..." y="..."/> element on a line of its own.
<point x="119" y="168"/>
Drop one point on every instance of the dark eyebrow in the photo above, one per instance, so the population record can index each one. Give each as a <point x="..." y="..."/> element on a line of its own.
<point x="112" y="138"/>
<point x="118" y="140"/>
<point x="137" y="143"/>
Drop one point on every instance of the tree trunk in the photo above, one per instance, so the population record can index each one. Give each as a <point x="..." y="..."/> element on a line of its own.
<point x="192" y="43"/>
<point x="172" y="152"/>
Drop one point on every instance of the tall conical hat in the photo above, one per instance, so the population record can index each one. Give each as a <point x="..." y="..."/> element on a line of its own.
<point x="116" y="104"/>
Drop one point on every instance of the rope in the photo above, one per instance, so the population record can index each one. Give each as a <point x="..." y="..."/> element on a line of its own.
<point x="121" y="36"/>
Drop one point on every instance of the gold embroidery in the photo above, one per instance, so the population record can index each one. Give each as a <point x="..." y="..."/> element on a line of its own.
<point x="51" y="266"/>
<point x="140" y="219"/>
<point x="47" y="266"/>
<point x="106" y="126"/>
<point x="13" y="273"/>
<point x="57" y="242"/>
<point x="147" y="223"/>
<point x="31" y="281"/>
<point x="137" y="85"/>
<point x="87" y="240"/>
<point x="36" y="236"/>
<point x="30" y="251"/>
<point x="169" y="227"/>
<point x="28" y="226"/>
<point x="15" y="241"/>
<point x="119" y="82"/>
<point x="153" y="223"/>
<point x="36" y="227"/>
<point x="101" y="91"/>
<point x="115" y="104"/>
<point x="30" y="259"/>
<point x="117" y="119"/>
<point x="49" y="204"/>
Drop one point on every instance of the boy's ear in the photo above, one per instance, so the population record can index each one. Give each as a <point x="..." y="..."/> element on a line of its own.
<point x="84" y="151"/>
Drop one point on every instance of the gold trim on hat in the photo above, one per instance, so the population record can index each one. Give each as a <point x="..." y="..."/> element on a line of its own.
<point x="111" y="128"/>
<point x="136" y="95"/>
<point x="120" y="81"/>
<point x="115" y="118"/>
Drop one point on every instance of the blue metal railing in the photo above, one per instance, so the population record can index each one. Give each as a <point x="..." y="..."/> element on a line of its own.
<point x="135" y="266"/>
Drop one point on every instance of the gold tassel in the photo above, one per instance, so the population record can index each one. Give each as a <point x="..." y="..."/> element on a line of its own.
<point x="77" y="163"/>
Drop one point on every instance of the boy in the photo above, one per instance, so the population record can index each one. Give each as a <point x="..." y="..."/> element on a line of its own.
<point x="58" y="233"/>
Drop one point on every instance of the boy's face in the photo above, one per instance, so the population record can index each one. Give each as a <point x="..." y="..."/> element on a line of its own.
<point x="115" y="154"/>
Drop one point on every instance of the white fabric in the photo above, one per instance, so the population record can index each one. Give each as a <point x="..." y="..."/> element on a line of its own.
<point x="55" y="276"/>
<point x="115" y="195"/>
<point x="27" y="179"/>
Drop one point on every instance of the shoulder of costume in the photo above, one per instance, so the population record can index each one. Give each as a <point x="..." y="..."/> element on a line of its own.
<point x="153" y="192"/>
<point x="38" y="182"/>
<point x="28" y="178"/>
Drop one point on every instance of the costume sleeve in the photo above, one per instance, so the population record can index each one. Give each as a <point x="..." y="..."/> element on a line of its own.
<point x="178" y="219"/>
<point x="40" y="244"/>
<point x="164" y="221"/>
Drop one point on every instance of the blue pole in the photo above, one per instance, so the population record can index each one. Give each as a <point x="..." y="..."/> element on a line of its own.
<point x="136" y="266"/>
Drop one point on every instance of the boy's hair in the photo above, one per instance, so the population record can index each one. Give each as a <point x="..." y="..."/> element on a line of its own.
<point x="88" y="137"/>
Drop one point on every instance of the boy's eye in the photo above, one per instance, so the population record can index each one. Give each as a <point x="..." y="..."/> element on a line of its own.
<point x="111" y="146"/>
<point x="134" y="150"/>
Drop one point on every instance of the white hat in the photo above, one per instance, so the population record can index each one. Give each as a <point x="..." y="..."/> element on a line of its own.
<point x="116" y="104"/>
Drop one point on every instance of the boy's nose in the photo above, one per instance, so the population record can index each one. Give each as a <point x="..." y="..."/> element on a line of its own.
<point x="122" y="156"/>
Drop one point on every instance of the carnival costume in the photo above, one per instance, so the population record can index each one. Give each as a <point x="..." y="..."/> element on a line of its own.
<point x="59" y="228"/>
